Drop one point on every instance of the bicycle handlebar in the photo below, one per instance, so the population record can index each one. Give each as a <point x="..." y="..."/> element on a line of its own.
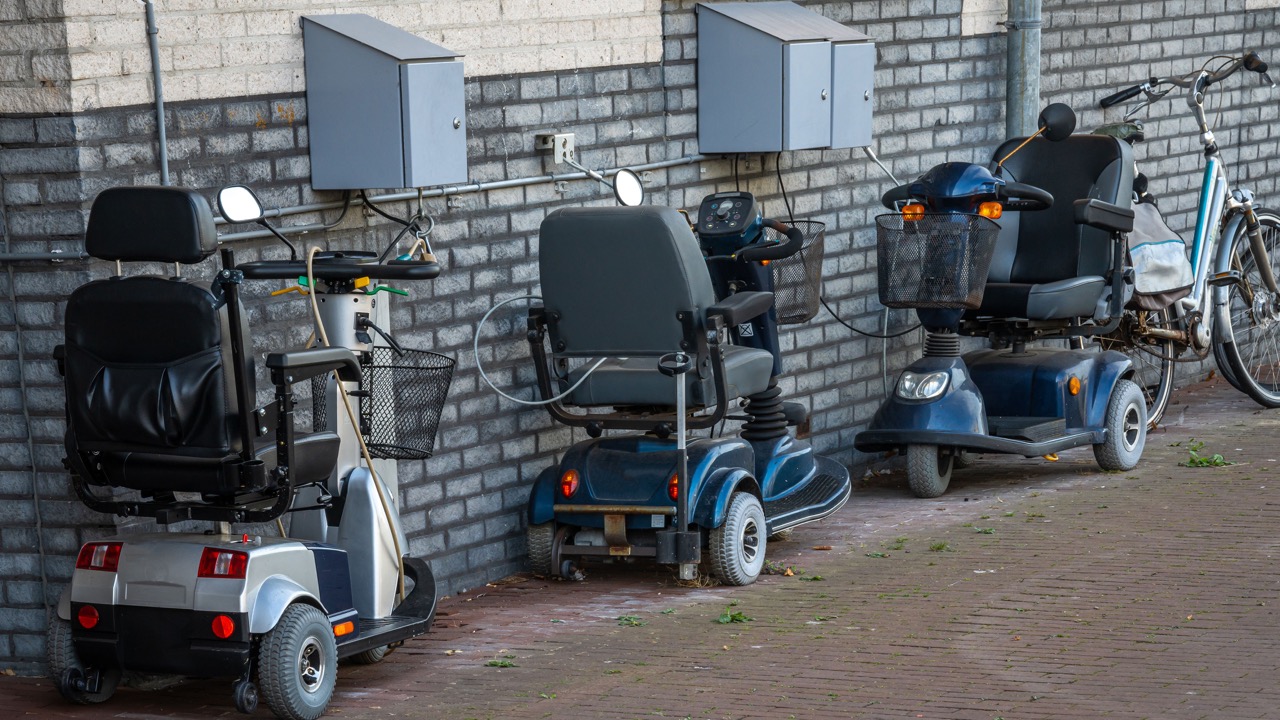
<point x="1121" y="96"/>
<point x="1249" y="61"/>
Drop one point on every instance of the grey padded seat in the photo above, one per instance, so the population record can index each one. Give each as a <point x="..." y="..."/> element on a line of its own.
<point x="613" y="281"/>
<point x="1045" y="266"/>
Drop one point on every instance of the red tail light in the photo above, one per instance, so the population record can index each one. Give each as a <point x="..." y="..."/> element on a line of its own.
<point x="223" y="626"/>
<point x="673" y="487"/>
<point x="215" y="563"/>
<point x="99" y="556"/>
<point x="87" y="617"/>
<point x="569" y="483"/>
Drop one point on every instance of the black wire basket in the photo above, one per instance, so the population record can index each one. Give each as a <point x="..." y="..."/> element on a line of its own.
<point x="403" y="396"/>
<point x="937" y="261"/>
<point x="797" y="280"/>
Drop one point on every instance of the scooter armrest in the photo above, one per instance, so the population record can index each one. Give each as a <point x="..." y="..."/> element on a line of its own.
<point x="741" y="307"/>
<point x="305" y="364"/>
<point x="1103" y="215"/>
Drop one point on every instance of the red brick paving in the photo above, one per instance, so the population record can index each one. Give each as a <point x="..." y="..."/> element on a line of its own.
<point x="1061" y="592"/>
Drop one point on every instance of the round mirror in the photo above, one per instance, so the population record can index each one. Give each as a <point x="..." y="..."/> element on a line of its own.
<point x="627" y="188"/>
<point x="1058" y="121"/>
<point x="239" y="204"/>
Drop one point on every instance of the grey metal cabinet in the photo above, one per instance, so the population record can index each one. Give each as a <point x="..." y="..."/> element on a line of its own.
<point x="385" y="108"/>
<point x="774" y="76"/>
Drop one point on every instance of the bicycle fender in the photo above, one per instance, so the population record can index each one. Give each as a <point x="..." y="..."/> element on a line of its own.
<point x="1222" y="263"/>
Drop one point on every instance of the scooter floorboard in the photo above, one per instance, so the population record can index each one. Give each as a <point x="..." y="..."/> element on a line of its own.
<point x="818" y="498"/>
<point x="377" y="632"/>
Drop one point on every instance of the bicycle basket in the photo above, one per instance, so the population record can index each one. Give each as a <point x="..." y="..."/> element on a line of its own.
<point x="938" y="261"/>
<point x="797" y="280"/>
<point x="400" y="411"/>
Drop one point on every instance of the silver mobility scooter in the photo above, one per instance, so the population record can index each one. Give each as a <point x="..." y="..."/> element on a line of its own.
<point x="163" y="423"/>
<point x="631" y="286"/>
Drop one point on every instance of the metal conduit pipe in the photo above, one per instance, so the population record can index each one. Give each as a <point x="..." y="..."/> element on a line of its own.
<point x="1022" y="75"/>
<point x="157" y="86"/>
<point x="390" y="197"/>
<point x="437" y="192"/>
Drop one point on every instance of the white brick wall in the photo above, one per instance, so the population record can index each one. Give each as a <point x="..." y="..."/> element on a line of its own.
<point x="230" y="48"/>
<point x="979" y="17"/>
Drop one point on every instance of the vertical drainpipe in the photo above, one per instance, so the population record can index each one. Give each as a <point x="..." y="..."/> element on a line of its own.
<point x="1022" y="84"/>
<point x="158" y="86"/>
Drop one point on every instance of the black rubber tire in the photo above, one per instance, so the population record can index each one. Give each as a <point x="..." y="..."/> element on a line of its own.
<point x="1126" y="425"/>
<point x="1253" y="350"/>
<point x="1153" y="363"/>
<point x="928" y="470"/>
<point x="738" y="546"/>
<point x="245" y="694"/>
<point x="541" y="539"/>
<point x="370" y="657"/>
<point x="61" y="653"/>
<point x="298" y="664"/>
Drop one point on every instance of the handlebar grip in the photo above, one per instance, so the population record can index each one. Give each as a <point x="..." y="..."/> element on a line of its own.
<point x="795" y="239"/>
<point x="1254" y="63"/>
<point x="1120" y="97"/>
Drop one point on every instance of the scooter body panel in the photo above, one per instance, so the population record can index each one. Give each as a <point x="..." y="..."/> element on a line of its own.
<point x="155" y="613"/>
<point x="960" y="409"/>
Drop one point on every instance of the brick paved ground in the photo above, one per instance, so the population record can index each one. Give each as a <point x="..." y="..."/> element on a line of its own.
<point x="1032" y="590"/>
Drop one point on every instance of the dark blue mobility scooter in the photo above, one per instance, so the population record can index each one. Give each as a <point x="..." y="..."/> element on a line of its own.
<point x="633" y="286"/>
<point x="163" y="422"/>
<point x="1030" y="251"/>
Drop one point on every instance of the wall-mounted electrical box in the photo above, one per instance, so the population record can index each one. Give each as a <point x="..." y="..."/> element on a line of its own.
<point x="774" y="76"/>
<point x="385" y="108"/>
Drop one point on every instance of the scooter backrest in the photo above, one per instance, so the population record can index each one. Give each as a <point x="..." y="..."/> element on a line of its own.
<point x="614" y="279"/>
<point x="1047" y="245"/>
<point x="150" y="224"/>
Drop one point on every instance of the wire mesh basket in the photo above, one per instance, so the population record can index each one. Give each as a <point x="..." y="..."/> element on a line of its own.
<point x="938" y="261"/>
<point x="403" y="396"/>
<point x="797" y="280"/>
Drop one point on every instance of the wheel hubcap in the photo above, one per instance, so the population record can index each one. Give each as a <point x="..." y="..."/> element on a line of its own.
<point x="1132" y="427"/>
<point x="311" y="665"/>
<point x="750" y="541"/>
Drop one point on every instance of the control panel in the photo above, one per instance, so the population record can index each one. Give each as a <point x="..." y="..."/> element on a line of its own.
<point x="729" y="213"/>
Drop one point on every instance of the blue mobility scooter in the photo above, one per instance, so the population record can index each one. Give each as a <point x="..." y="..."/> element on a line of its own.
<point x="635" y="287"/>
<point x="1030" y="251"/>
<point x="163" y="423"/>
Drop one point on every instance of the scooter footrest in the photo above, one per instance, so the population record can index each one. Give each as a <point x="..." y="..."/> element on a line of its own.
<point x="1031" y="429"/>
<point x="815" y="493"/>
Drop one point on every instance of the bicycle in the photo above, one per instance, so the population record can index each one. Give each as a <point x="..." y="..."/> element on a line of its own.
<point x="1233" y="308"/>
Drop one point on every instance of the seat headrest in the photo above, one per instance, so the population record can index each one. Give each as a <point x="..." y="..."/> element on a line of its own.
<point x="150" y="224"/>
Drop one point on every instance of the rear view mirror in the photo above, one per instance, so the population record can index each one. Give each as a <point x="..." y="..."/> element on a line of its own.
<point x="1058" y="122"/>
<point x="628" y="188"/>
<point x="239" y="205"/>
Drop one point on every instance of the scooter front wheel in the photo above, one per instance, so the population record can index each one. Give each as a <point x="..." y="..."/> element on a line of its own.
<point x="1126" y="424"/>
<point x="928" y="470"/>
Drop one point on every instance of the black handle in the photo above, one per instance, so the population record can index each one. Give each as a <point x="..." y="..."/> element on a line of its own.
<point x="676" y="363"/>
<point x="1254" y="63"/>
<point x="1120" y="97"/>
<point x="795" y="240"/>
<point x="893" y="197"/>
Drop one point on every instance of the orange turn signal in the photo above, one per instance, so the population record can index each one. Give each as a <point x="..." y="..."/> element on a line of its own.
<point x="1073" y="385"/>
<point x="991" y="210"/>
<point x="344" y="628"/>
<point x="569" y="484"/>
<point x="913" y="212"/>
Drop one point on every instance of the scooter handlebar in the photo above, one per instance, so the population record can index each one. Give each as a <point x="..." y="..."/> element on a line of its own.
<point x="676" y="363"/>
<point x="795" y="240"/>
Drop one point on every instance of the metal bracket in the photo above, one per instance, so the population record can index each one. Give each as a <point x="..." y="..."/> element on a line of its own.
<point x="558" y="145"/>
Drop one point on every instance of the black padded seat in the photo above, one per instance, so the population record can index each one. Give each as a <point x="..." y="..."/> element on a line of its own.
<point x="1045" y="266"/>
<point x="635" y="381"/>
<point x="616" y="282"/>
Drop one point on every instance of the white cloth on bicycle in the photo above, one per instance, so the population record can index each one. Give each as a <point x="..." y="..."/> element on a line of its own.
<point x="1162" y="273"/>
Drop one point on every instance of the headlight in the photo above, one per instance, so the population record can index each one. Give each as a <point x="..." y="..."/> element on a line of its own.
<point x="922" y="386"/>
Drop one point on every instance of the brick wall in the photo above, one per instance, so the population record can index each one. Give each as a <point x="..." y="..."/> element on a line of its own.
<point x="939" y="97"/>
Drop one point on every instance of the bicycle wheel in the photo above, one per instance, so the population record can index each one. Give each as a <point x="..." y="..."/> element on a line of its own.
<point x="1253" y="349"/>
<point x="1152" y="357"/>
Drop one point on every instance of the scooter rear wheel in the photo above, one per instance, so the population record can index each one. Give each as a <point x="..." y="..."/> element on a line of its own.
<point x="928" y="470"/>
<point x="1126" y="425"/>
<point x="542" y="549"/>
<point x="298" y="664"/>
<point x="63" y="658"/>
<point x="738" y="545"/>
